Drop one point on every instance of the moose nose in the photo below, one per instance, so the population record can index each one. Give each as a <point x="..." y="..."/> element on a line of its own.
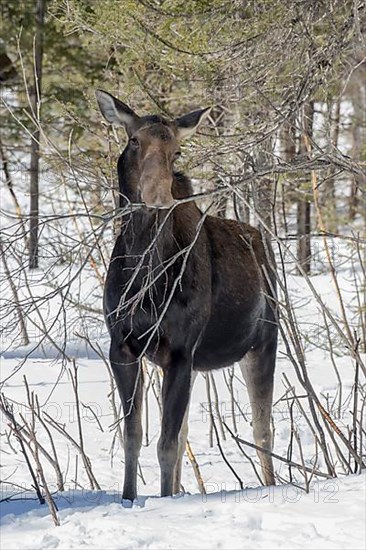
<point x="157" y="195"/>
<point x="158" y="202"/>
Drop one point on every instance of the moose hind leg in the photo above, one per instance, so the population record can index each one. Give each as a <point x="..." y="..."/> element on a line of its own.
<point x="127" y="373"/>
<point x="182" y="441"/>
<point x="257" y="368"/>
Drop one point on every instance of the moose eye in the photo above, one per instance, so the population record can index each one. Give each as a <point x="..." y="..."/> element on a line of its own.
<point x="134" y="143"/>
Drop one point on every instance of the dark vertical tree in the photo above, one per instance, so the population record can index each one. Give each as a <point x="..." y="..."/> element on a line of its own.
<point x="35" y="100"/>
<point x="328" y="192"/>
<point x="303" y="202"/>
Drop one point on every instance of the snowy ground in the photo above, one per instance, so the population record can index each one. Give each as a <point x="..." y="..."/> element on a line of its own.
<point x="330" y="516"/>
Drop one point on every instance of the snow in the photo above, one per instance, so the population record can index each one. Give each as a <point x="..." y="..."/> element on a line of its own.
<point x="330" y="516"/>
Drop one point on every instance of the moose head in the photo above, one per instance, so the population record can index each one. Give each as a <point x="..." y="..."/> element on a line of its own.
<point x="153" y="147"/>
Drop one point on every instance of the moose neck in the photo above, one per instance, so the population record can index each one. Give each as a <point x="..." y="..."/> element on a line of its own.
<point x="126" y="183"/>
<point x="141" y="224"/>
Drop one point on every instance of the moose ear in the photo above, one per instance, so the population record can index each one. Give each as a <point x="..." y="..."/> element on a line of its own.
<point x="116" y="112"/>
<point x="188" y="124"/>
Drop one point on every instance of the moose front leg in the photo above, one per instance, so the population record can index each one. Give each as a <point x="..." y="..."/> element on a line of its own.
<point x="127" y="373"/>
<point x="176" y="392"/>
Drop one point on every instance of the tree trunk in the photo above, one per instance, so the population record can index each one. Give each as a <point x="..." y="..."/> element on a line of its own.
<point x="303" y="234"/>
<point x="262" y="188"/>
<point x="303" y="202"/>
<point x="327" y="195"/>
<point x="359" y="123"/>
<point x="288" y="150"/>
<point x="241" y="208"/>
<point x="288" y="140"/>
<point x="35" y="99"/>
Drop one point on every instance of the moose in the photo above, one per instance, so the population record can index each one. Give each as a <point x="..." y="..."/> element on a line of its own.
<point x="189" y="291"/>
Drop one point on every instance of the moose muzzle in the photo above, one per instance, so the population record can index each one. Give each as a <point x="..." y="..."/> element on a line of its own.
<point x="156" y="184"/>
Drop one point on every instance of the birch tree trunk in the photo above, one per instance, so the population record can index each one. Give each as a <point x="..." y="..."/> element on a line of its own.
<point x="358" y="182"/>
